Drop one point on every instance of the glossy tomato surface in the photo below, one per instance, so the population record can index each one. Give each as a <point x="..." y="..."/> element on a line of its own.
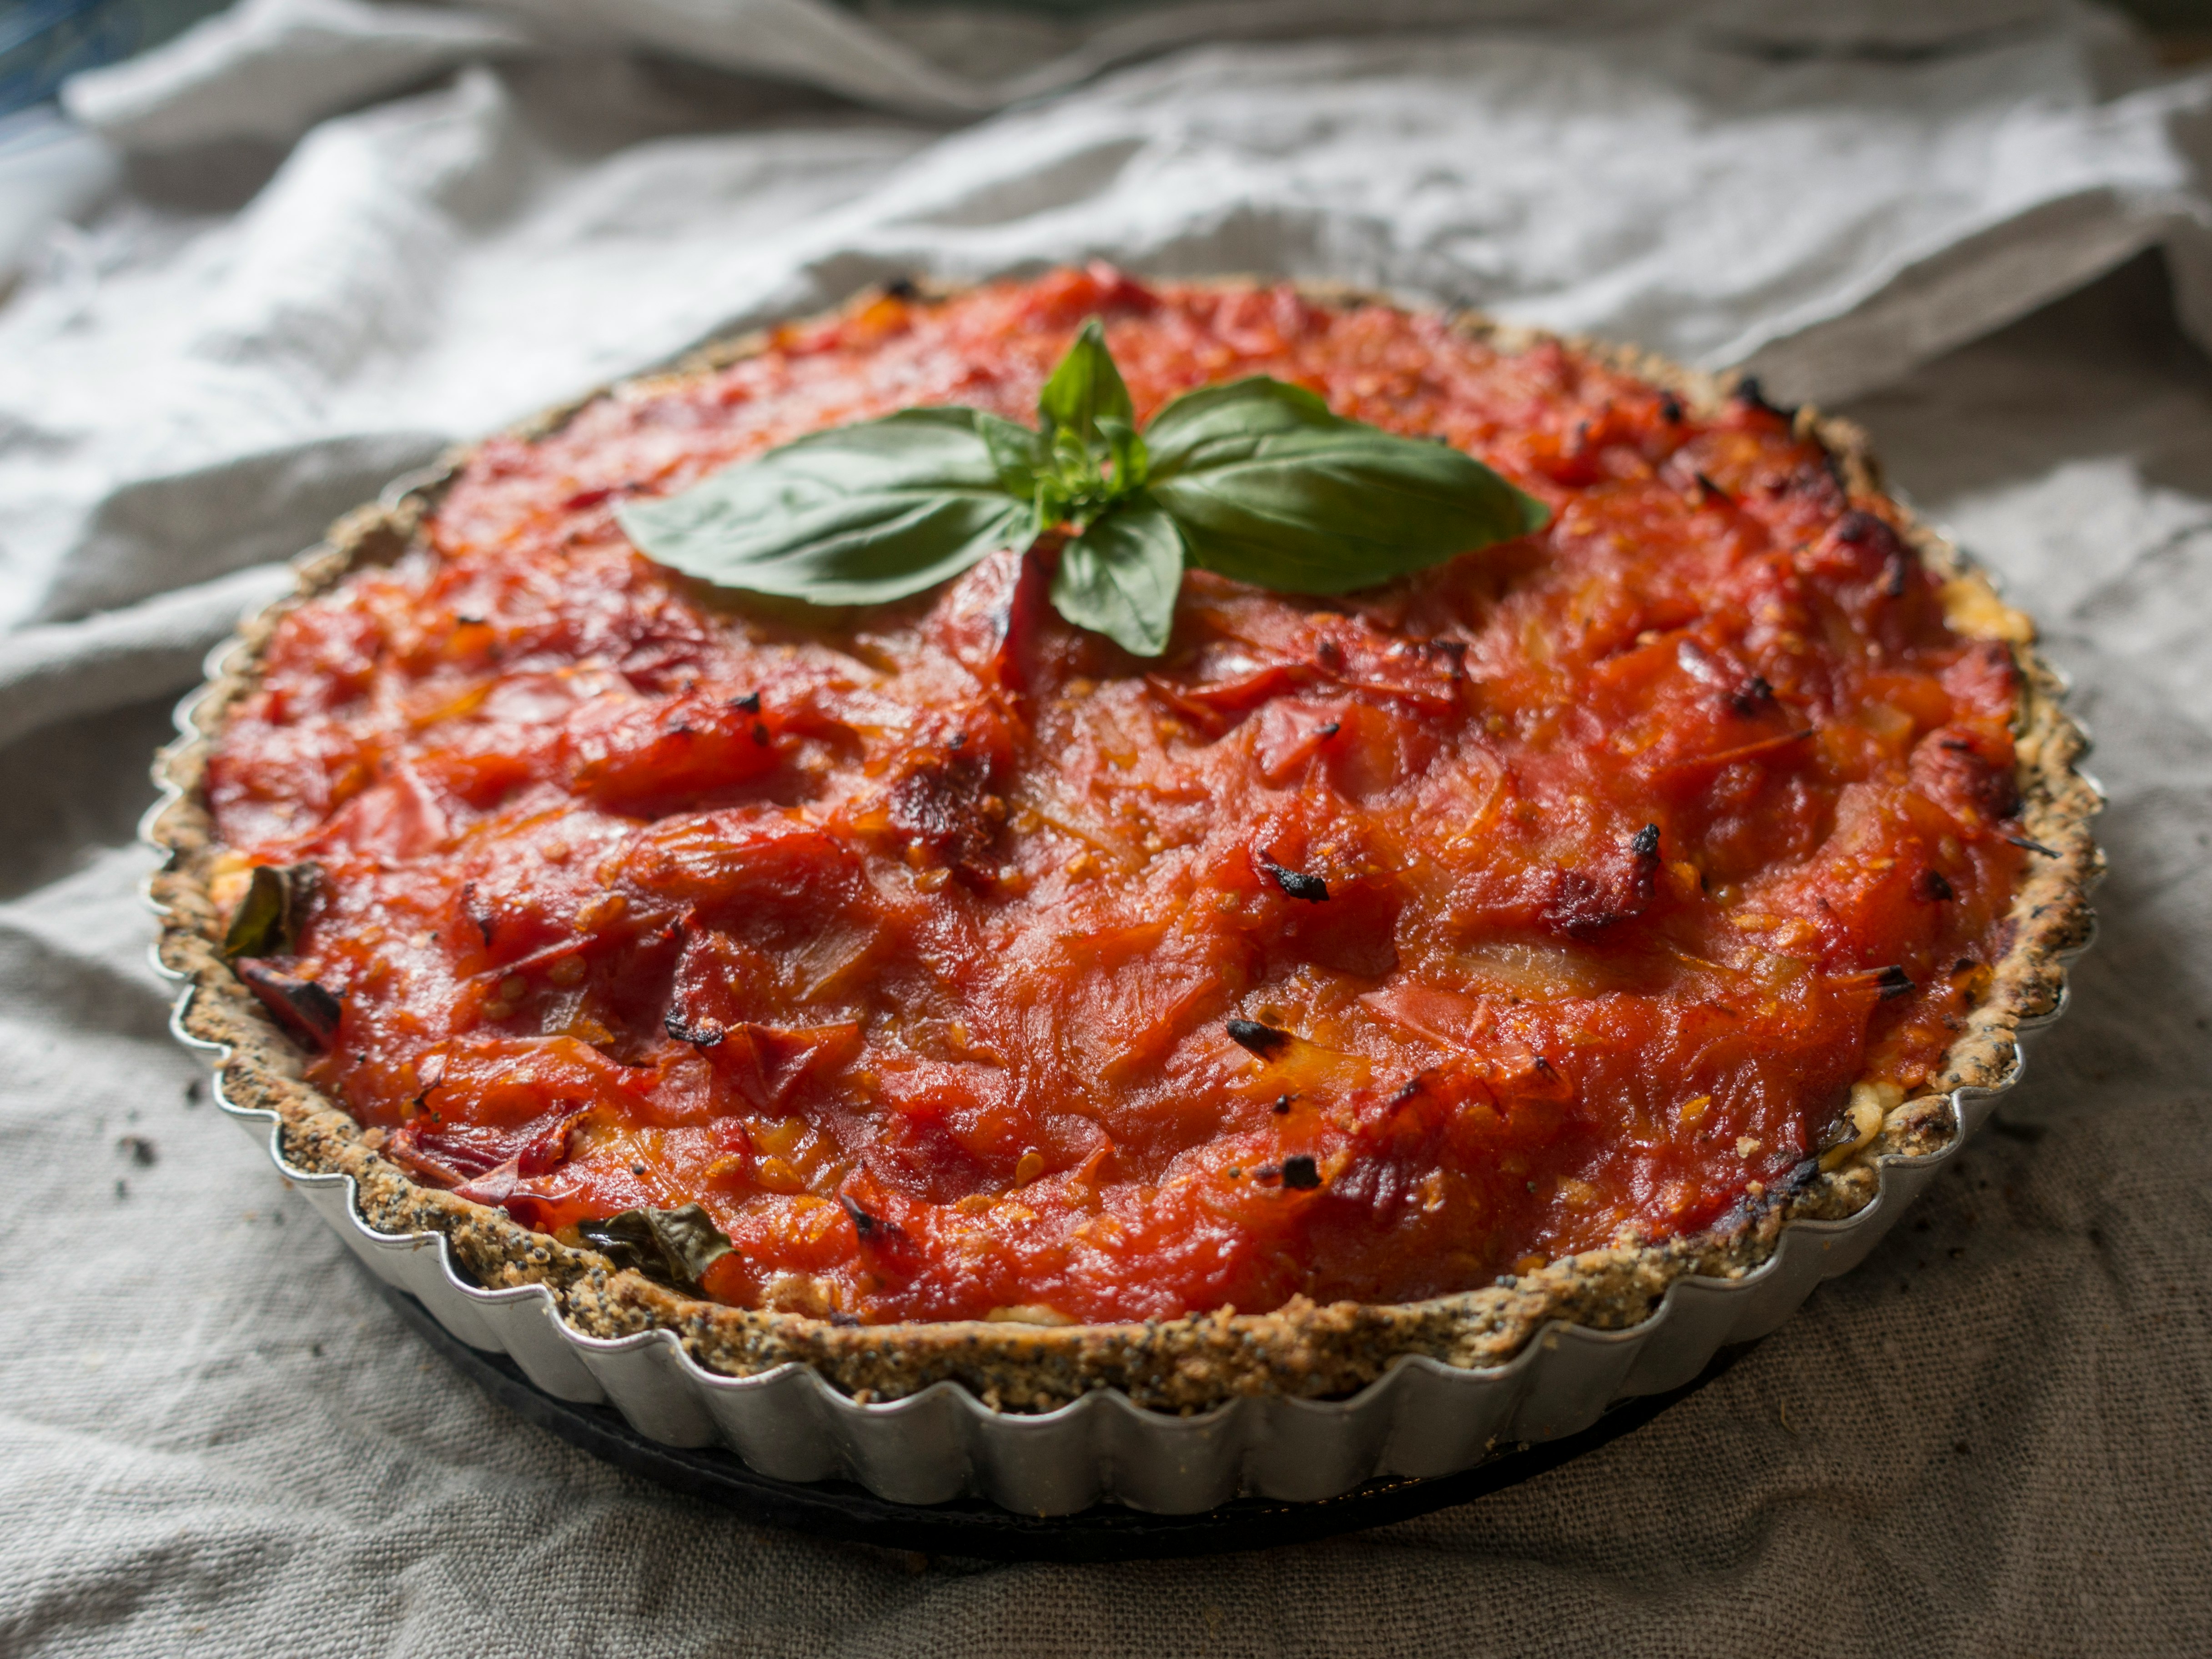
<point x="960" y="964"/>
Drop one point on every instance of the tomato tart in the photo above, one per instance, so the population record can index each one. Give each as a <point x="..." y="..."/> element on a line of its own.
<point x="938" y="988"/>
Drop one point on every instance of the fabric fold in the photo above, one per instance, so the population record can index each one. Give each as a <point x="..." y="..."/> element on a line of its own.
<point x="64" y="670"/>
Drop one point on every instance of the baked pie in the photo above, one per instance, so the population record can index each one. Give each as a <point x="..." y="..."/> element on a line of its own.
<point x="955" y="984"/>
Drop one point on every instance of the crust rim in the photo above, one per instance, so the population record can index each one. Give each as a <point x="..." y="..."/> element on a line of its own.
<point x="1303" y="1349"/>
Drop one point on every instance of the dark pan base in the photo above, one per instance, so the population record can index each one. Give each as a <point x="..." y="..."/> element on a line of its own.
<point x="975" y="1528"/>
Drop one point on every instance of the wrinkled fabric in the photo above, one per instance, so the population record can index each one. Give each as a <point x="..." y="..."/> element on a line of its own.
<point x="272" y="67"/>
<point x="215" y="1436"/>
<point x="437" y="265"/>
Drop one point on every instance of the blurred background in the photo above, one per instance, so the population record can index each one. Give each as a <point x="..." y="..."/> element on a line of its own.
<point x="42" y="42"/>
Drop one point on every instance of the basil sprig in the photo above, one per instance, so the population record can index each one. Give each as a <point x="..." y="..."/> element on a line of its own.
<point x="1255" y="479"/>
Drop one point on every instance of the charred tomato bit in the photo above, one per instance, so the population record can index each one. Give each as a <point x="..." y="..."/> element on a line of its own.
<point x="944" y="806"/>
<point x="1584" y="903"/>
<point x="705" y="1035"/>
<point x="1750" y="393"/>
<point x="1295" y="884"/>
<point x="1753" y="694"/>
<point x="1250" y="1035"/>
<point x="308" y="1011"/>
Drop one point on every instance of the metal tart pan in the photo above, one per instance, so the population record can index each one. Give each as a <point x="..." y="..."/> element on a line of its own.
<point x="977" y="1529"/>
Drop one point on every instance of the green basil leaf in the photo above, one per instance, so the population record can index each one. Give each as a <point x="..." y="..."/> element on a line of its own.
<point x="1085" y="388"/>
<point x="267" y="921"/>
<point x="674" y="1246"/>
<point x="855" y="515"/>
<point x="1021" y="454"/>
<point x="1133" y="459"/>
<point x="1120" y="577"/>
<point x="1270" y="487"/>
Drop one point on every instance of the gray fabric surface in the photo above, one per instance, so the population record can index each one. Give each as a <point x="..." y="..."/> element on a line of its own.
<point x="1995" y="1437"/>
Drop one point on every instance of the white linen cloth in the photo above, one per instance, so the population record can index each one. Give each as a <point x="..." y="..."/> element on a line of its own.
<point x="214" y="1438"/>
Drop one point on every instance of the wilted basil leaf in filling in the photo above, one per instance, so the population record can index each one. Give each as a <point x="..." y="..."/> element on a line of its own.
<point x="267" y="921"/>
<point x="674" y="1246"/>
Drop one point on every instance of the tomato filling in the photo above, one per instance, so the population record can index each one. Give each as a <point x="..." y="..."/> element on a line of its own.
<point x="960" y="965"/>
